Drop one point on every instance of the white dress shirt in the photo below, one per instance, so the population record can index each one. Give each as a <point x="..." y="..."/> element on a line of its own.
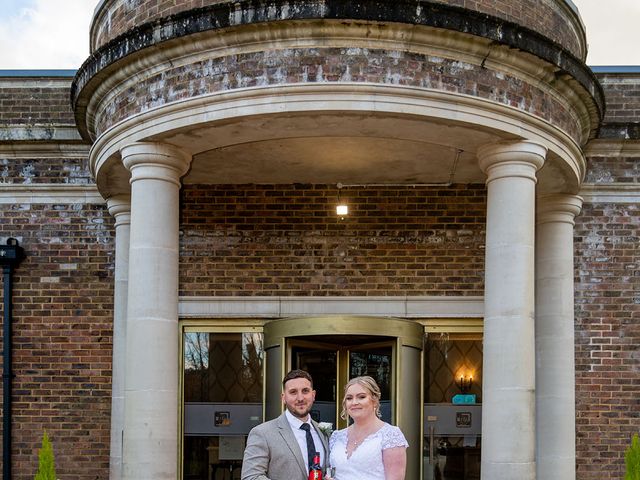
<point x="301" y="437"/>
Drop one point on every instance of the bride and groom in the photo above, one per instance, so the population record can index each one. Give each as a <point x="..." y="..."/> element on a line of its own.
<point x="283" y="448"/>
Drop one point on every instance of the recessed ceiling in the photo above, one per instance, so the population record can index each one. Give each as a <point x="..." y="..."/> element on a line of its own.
<point x="333" y="147"/>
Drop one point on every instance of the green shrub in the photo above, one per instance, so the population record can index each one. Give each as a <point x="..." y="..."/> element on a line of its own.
<point x="46" y="463"/>
<point x="632" y="460"/>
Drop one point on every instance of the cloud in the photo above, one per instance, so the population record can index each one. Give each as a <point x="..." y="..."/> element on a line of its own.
<point x="54" y="34"/>
<point x="612" y="31"/>
<point x="45" y="34"/>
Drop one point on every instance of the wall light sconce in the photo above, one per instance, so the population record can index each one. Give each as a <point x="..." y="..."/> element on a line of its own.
<point x="464" y="382"/>
<point x="342" y="209"/>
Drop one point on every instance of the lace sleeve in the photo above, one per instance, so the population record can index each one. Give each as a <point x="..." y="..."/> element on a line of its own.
<point x="393" y="437"/>
<point x="333" y="439"/>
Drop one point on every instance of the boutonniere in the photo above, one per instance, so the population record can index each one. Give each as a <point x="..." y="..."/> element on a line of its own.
<point x="326" y="428"/>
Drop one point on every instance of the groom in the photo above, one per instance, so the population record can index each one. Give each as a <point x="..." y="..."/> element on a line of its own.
<point x="283" y="448"/>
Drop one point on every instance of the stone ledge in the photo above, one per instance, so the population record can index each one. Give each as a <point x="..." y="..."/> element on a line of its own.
<point x="277" y="307"/>
<point x="30" y="133"/>
<point x="246" y="12"/>
<point x="44" y="149"/>
<point x="610" y="193"/>
<point x="49" y="194"/>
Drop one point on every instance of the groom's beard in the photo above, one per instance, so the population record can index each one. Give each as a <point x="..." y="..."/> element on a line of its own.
<point x="300" y="410"/>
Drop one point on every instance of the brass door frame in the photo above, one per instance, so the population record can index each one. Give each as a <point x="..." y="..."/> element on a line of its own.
<point x="408" y="337"/>
<point x="231" y="325"/>
<point x="343" y="366"/>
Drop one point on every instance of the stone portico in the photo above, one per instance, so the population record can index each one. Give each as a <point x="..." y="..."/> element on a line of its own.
<point x="330" y="96"/>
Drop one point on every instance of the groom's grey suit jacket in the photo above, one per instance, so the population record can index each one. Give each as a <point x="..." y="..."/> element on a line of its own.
<point x="273" y="452"/>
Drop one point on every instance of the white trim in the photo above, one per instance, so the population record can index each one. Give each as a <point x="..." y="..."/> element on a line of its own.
<point x="30" y="82"/>
<point x="48" y="193"/>
<point x="611" y="193"/>
<point x="278" y="307"/>
<point x="52" y="133"/>
<point x="613" y="148"/>
<point x="44" y="150"/>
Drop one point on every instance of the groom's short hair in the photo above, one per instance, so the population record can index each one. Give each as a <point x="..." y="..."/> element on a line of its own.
<point x="296" y="374"/>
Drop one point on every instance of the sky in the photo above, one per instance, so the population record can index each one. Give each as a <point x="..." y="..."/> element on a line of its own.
<point x="54" y="34"/>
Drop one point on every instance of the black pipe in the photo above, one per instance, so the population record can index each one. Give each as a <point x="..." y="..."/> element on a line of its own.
<point x="10" y="256"/>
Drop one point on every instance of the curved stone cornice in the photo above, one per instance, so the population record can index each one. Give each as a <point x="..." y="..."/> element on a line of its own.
<point x="198" y="52"/>
<point x="286" y="99"/>
<point x="223" y="16"/>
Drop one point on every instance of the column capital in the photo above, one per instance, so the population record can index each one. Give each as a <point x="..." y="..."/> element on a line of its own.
<point x="120" y="208"/>
<point x="155" y="160"/>
<point x="511" y="159"/>
<point x="558" y="207"/>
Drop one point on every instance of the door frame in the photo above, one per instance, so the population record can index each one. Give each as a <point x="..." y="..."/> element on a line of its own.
<point x="343" y="365"/>
<point x="409" y="341"/>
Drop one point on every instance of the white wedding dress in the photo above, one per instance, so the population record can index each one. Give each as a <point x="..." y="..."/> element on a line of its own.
<point x="365" y="462"/>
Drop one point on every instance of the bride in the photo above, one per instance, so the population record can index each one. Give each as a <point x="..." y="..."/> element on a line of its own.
<point x="369" y="449"/>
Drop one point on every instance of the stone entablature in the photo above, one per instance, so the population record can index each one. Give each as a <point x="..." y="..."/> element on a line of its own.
<point x="218" y="26"/>
<point x="182" y="80"/>
<point x="556" y="19"/>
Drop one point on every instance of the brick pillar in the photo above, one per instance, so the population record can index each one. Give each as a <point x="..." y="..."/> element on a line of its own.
<point x="120" y="208"/>
<point x="508" y="408"/>
<point x="555" y="361"/>
<point x="151" y="381"/>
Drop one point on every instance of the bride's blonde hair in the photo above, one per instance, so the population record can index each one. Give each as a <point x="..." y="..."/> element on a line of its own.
<point x="370" y="385"/>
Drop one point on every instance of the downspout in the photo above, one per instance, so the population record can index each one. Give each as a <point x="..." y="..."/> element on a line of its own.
<point x="10" y="256"/>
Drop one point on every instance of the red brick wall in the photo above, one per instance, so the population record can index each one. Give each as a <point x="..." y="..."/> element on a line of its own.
<point x="607" y="329"/>
<point x="45" y="170"/>
<point x="622" y="93"/>
<point x="545" y="16"/>
<point x="287" y="240"/>
<point x="46" y="103"/>
<point x="63" y="296"/>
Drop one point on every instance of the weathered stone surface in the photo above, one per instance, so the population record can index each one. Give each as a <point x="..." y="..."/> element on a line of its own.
<point x="226" y="15"/>
<point x="552" y="18"/>
<point x="333" y="65"/>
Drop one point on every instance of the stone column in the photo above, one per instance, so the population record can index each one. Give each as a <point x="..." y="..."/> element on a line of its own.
<point x="555" y="361"/>
<point x="508" y="403"/>
<point x="151" y="381"/>
<point x="120" y="208"/>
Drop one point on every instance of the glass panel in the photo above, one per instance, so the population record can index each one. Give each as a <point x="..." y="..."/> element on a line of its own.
<point x="223" y="401"/>
<point x="452" y="410"/>
<point x="322" y="365"/>
<point x="376" y="363"/>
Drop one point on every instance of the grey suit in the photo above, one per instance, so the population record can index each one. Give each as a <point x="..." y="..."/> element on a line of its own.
<point x="273" y="453"/>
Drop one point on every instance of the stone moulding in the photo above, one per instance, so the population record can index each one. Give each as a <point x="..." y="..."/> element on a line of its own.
<point x="49" y="194"/>
<point x="611" y="193"/>
<point x="139" y="81"/>
<point x="331" y="97"/>
<point x="247" y="12"/>
<point x="277" y="307"/>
